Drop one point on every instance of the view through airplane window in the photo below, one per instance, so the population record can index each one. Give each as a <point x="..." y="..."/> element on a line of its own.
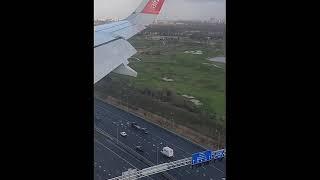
<point x="159" y="74"/>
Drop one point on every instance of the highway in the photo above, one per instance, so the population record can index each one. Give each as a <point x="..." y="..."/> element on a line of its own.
<point x="111" y="160"/>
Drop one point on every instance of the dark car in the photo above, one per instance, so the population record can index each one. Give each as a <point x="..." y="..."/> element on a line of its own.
<point x="135" y="125"/>
<point x="139" y="148"/>
<point x="144" y="130"/>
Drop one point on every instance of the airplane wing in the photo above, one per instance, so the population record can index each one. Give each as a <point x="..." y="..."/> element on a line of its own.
<point x="111" y="48"/>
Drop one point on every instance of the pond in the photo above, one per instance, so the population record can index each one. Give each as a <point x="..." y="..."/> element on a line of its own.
<point x="218" y="59"/>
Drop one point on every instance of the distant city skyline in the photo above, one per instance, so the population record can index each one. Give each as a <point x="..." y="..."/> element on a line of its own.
<point x="202" y="10"/>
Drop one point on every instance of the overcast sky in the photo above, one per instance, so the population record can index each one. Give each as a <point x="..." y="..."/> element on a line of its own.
<point x="172" y="9"/>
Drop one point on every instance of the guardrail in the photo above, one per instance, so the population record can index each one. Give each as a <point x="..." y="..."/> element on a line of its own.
<point x="154" y="169"/>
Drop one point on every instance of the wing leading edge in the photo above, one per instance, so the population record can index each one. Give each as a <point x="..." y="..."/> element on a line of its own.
<point x="111" y="50"/>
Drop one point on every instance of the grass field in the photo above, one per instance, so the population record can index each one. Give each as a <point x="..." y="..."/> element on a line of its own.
<point x="190" y="76"/>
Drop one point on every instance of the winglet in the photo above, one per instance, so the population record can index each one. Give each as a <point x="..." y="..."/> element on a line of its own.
<point x="146" y="13"/>
<point x="153" y="7"/>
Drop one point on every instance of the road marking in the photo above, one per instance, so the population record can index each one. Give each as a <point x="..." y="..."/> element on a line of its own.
<point x="114" y="153"/>
<point x="111" y="114"/>
<point x="180" y="149"/>
<point x="125" y="152"/>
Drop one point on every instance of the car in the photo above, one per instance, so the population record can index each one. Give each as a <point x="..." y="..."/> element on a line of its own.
<point x="123" y="134"/>
<point x="133" y="124"/>
<point x="139" y="148"/>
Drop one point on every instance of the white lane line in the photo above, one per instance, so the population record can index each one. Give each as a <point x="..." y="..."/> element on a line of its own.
<point x="217" y="168"/>
<point x="127" y="154"/>
<point x="121" y="116"/>
<point x="114" y="153"/>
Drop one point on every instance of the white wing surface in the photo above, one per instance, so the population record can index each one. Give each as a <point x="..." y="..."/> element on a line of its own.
<point x="111" y="48"/>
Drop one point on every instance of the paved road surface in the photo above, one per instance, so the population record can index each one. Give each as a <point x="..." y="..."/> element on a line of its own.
<point x="112" y="159"/>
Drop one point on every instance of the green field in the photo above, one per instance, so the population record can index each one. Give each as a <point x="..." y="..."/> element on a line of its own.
<point x="190" y="76"/>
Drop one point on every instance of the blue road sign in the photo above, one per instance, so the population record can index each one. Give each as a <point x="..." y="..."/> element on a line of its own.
<point x="201" y="157"/>
<point x="218" y="154"/>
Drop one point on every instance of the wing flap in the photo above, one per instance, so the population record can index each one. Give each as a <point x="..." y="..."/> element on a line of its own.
<point x="102" y="37"/>
<point x="111" y="50"/>
<point x="125" y="70"/>
<point x="109" y="56"/>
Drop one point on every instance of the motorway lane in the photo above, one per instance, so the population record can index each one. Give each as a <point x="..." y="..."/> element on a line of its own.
<point x="137" y="138"/>
<point x="120" y="120"/>
<point x="110" y="160"/>
<point x="126" y="157"/>
<point x="112" y="118"/>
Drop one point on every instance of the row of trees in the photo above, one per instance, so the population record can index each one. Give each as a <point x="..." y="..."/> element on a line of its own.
<point x="182" y="29"/>
<point x="170" y="96"/>
<point x="166" y="103"/>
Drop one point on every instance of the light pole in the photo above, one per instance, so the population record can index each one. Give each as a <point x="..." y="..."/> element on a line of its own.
<point x="215" y="135"/>
<point x="219" y="140"/>
<point x="172" y="119"/>
<point x="117" y="134"/>
<point x="157" y="155"/>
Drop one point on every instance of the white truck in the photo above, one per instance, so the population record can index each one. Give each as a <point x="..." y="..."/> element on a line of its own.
<point x="167" y="151"/>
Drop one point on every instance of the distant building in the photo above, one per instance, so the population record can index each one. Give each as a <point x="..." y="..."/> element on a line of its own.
<point x="162" y="37"/>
